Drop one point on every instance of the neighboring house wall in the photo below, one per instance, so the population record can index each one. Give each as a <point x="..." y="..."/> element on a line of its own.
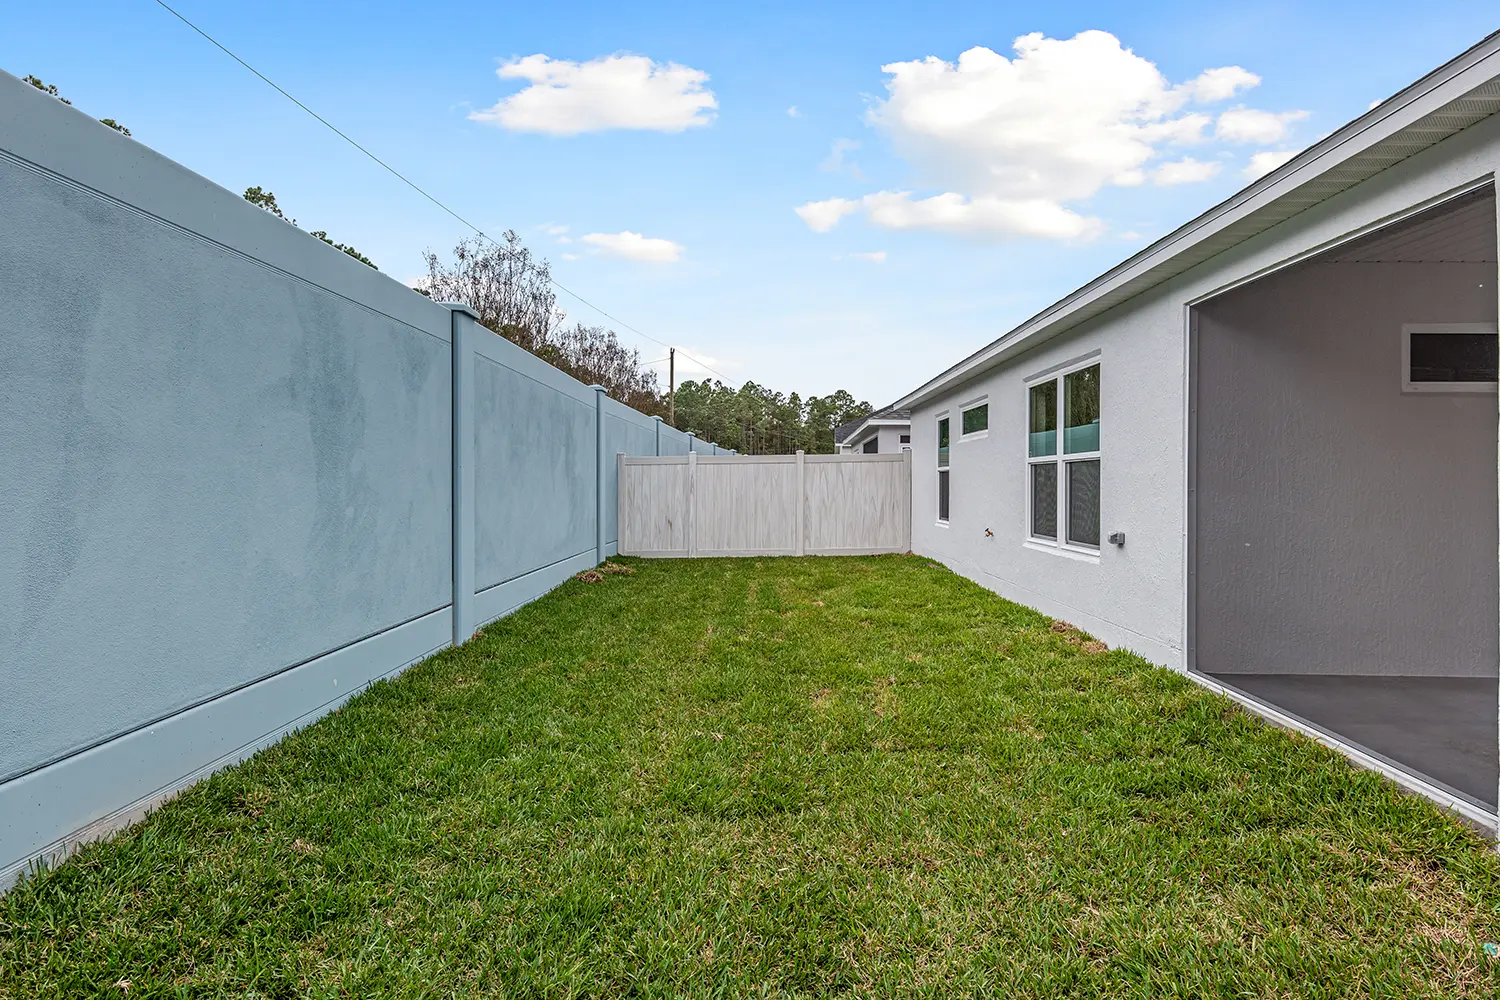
<point x="1344" y="527"/>
<point x="228" y="498"/>
<point x="1136" y="595"/>
<point x="887" y="438"/>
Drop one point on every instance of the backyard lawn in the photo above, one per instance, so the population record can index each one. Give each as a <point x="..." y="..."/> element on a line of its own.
<point x="769" y="778"/>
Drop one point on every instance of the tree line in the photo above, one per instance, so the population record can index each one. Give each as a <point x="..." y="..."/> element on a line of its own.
<point x="511" y="290"/>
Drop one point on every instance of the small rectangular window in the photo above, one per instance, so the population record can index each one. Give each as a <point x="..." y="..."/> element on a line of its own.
<point x="906" y="439"/>
<point x="872" y="446"/>
<point x="1457" y="357"/>
<point x="976" y="419"/>
<point x="943" y="495"/>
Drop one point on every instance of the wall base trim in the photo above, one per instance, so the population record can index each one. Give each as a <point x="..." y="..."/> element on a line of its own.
<point x="503" y="598"/>
<point x="49" y="813"/>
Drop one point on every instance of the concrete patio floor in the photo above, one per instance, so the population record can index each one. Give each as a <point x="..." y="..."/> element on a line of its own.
<point x="1441" y="728"/>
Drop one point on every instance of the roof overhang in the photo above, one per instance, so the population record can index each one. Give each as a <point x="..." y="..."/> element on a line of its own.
<point x="867" y="423"/>
<point x="1448" y="100"/>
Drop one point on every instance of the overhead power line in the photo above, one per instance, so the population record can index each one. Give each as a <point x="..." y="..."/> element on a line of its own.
<point x="418" y="188"/>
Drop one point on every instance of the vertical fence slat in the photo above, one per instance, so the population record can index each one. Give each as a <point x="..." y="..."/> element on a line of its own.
<point x="765" y="505"/>
<point x="692" y="502"/>
<point x="801" y="502"/>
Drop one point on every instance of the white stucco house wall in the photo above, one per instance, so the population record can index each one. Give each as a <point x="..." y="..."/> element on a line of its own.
<point x="1261" y="451"/>
<point x="879" y="432"/>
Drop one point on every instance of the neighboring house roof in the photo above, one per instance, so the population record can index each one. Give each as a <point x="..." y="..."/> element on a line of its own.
<point x="1458" y="94"/>
<point x="889" y="416"/>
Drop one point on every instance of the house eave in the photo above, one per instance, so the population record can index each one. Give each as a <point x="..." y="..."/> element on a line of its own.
<point x="1456" y="95"/>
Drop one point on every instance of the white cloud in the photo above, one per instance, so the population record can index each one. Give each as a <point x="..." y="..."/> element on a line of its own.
<point x="620" y="91"/>
<point x="836" y="162"/>
<point x="792" y="112"/>
<point x="1011" y="140"/>
<point x="570" y="256"/>
<point x="873" y="256"/>
<point x="552" y="229"/>
<point x="985" y="215"/>
<point x="1220" y="84"/>
<point x="1132" y="235"/>
<point x="821" y="216"/>
<point x="1059" y="121"/>
<point x="1184" y="171"/>
<point x="1260" y="128"/>
<point x="1264" y="162"/>
<point x="634" y="246"/>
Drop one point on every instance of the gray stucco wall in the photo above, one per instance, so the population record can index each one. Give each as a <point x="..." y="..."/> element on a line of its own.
<point x="674" y="441"/>
<point x="231" y="490"/>
<point x="1344" y="527"/>
<point x="201" y="455"/>
<point x="1136" y="596"/>
<point x="628" y="432"/>
<point x="548" y="485"/>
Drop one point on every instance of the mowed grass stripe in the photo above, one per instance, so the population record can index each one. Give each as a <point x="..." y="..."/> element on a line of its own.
<point x="777" y="777"/>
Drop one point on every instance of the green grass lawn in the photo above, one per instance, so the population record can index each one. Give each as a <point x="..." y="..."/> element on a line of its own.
<point x="768" y="778"/>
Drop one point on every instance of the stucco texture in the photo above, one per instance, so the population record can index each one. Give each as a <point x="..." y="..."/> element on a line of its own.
<point x="535" y="472"/>
<point x="215" y="470"/>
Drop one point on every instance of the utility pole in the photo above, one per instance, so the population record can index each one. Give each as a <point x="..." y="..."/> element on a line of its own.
<point x="672" y="386"/>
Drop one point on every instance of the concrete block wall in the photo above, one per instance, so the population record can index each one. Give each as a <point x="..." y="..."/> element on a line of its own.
<point x="242" y="476"/>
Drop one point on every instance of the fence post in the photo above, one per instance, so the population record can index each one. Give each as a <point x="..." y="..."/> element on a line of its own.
<point x="906" y="463"/>
<point x="657" y="422"/>
<point x="801" y="549"/>
<point x="620" y="503"/>
<point x="691" y="438"/>
<point x="599" y="473"/>
<point x="692" y="489"/>
<point x="464" y="329"/>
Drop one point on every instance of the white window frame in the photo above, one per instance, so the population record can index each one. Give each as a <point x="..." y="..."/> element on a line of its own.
<point x="1407" y="385"/>
<point x="937" y="489"/>
<point x="976" y="435"/>
<point x="1060" y="544"/>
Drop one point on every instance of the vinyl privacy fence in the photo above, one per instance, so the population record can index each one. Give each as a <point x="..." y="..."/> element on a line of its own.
<point x="242" y="476"/>
<point x="764" y="505"/>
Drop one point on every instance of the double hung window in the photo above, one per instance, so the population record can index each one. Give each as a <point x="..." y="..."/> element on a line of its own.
<point x="1063" y="468"/>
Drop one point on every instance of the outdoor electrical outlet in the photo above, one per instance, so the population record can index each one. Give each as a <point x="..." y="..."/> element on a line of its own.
<point x="1117" y="538"/>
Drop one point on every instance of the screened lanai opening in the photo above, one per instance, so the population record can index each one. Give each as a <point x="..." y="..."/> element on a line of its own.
<point x="1343" y="493"/>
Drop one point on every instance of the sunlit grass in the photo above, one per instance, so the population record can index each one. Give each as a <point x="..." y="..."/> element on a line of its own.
<point x="774" y="777"/>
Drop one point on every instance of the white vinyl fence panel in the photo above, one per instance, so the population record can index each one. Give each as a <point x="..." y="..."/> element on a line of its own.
<point x="764" y="505"/>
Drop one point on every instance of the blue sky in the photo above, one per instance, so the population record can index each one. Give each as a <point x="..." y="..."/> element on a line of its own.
<point x="954" y="199"/>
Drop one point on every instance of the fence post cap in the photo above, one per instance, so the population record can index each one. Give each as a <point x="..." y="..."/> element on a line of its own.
<point x="658" y="418"/>
<point x="597" y="387"/>
<point x="460" y="307"/>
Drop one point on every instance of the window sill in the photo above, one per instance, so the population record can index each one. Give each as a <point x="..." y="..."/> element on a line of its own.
<point x="940" y="524"/>
<point x="1066" y="551"/>
<point x="976" y="436"/>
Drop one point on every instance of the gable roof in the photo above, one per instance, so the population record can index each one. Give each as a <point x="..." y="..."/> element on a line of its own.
<point x="889" y="415"/>
<point x="1461" y="92"/>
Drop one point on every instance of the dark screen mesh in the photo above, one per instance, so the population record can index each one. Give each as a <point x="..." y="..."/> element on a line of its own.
<point x="942" y="496"/>
<point x="1083" y="502"/>
<point x="1044" y="500"/>
<point x="1454" y="357"/>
